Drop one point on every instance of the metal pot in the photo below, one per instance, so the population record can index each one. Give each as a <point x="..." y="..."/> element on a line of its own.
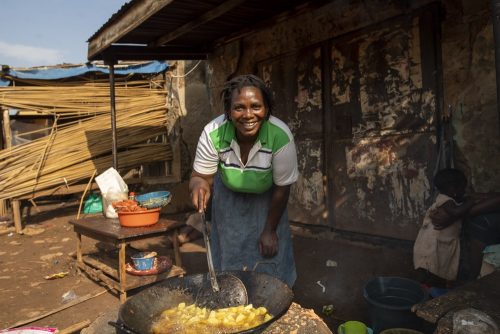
<point x="139" y="312"/>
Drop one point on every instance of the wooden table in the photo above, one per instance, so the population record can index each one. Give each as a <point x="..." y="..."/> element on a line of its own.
<point x="482" y="294"/>
<point x="113" y="274"/>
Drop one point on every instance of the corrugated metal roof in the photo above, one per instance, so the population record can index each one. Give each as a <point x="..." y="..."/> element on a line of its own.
<point x="182" y="29"/>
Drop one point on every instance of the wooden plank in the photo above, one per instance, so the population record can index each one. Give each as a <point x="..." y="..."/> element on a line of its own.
<point x="105" y="265"/>
<point x="105" y="268"/>
<point x="104" y="229"/>
<point x="138" y="281"/>
<point x="61" y="190"/>
<point x="75" y="327"/>
<point x="97" y="275"/>
<point x="482" y="294"/>
<point x="139" y="12"/>
<point x="198" y="21"/>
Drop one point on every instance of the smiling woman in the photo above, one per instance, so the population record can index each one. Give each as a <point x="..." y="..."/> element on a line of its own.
<point x="248" y="157"/>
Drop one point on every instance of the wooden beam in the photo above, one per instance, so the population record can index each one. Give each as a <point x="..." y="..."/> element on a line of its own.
<point x="139" y="12"/>
<point x="16" y="214"/>
<point x="5" y="139"/>
<point x="61" y="190"/>
<point x="208" y="16"/>
<point x="75" y="328"/>
<point x="127" y="52"/>
<point x="15" y="204"/>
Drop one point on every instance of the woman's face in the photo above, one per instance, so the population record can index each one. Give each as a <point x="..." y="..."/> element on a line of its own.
<point x="248" y="111"/>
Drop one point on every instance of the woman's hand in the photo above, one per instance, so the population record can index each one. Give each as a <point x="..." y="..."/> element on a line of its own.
<point x="268" y="245"/>
<point x="199" y="188"/>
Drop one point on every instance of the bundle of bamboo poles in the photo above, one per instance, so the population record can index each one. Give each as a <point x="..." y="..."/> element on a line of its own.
<point x="72" y="152"/>
<point x="74" y="99"/>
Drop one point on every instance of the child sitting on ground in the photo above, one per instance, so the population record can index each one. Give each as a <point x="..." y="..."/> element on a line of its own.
<point x="436" y="252"/>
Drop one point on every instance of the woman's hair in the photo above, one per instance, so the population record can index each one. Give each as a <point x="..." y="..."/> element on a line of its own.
<point x="447" y="178"/>
<point x="247" y="80"/>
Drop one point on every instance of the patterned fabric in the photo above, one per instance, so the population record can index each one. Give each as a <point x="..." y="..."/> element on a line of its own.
<point x="272" y="159"/>
<point x="438" y="251"/>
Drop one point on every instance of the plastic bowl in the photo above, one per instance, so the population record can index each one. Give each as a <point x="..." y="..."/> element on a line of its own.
<point x="141" y="262"/>
<point x="155" y="199"/>
<point x="139" y="219"/>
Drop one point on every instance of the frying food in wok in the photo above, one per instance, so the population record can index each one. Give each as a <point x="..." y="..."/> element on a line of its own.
<point x="192" y="319"/>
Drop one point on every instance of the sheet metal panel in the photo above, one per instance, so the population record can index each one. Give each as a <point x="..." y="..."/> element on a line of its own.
<point x="296" y="81"/>
<point x="384" y="130"/>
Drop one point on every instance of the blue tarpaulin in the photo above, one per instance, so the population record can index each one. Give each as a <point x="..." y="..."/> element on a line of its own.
<point x="153" y="67"/>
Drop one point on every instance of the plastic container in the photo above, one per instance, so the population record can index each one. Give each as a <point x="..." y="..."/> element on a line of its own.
<point x="140" y="218"/>
<point x="390" y="300"/>
<point x="155" y="199"/>
<point x="353" y="327"/>
<point x="141" y="262"/>
<point x="400" y="331"/>
<point x="107" y="203"/>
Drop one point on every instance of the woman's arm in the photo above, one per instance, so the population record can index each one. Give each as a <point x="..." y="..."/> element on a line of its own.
<point x="490" y="204"/>
<point x="449" y="213"/>
<point x="199" y="189"/>
<point x="268" y="245"/>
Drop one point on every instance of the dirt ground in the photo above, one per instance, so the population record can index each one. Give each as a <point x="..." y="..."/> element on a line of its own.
<point x="331" y="271"/>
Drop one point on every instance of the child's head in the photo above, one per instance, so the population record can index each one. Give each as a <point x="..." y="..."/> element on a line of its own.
<point x="451" y="182"/>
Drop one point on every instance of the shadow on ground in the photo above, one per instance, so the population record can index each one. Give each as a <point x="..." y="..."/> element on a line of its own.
<point x="332" y="270"/>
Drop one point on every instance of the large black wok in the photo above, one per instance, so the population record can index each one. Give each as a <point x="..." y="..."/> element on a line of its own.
<point x="140" y="311"/>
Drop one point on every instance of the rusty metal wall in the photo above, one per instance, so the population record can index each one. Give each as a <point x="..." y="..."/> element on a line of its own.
<point x="359" y="84"/>
<point x="296" y="82"/>
<point x="384" y="126"/>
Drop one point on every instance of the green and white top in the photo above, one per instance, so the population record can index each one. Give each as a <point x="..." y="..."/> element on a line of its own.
<point x="272" y="159"/>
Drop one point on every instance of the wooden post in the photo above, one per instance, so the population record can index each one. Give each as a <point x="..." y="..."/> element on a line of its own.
<point x="3" y="203"/>
<point x="177" y="253"/>
<point x="122" y="273"/>
<point x="79" y="256"/>
<point x="16" y="213"/>
<point x="114" y="140"/>
<point x="16" y="204"/>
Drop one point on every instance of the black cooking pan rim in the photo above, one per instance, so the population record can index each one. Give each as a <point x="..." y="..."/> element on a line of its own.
<point x="263" y="290"/>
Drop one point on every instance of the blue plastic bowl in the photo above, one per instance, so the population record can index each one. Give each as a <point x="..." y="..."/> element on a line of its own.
<point x="141" y="262"/>
<point x="153" y="200"/>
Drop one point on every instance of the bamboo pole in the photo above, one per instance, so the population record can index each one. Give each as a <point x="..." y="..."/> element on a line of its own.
<point x="85" y="192"/>
<point x="58" y="309"/>
<point x="76" y="147"/>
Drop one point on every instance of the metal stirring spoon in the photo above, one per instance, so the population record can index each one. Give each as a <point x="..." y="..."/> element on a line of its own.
<point x="230" y="292"/>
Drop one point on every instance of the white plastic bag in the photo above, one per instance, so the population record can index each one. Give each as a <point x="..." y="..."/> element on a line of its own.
<point x="113" y="189"/>
<point x="107" y="202"/>
<point x="111" y="181"/>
